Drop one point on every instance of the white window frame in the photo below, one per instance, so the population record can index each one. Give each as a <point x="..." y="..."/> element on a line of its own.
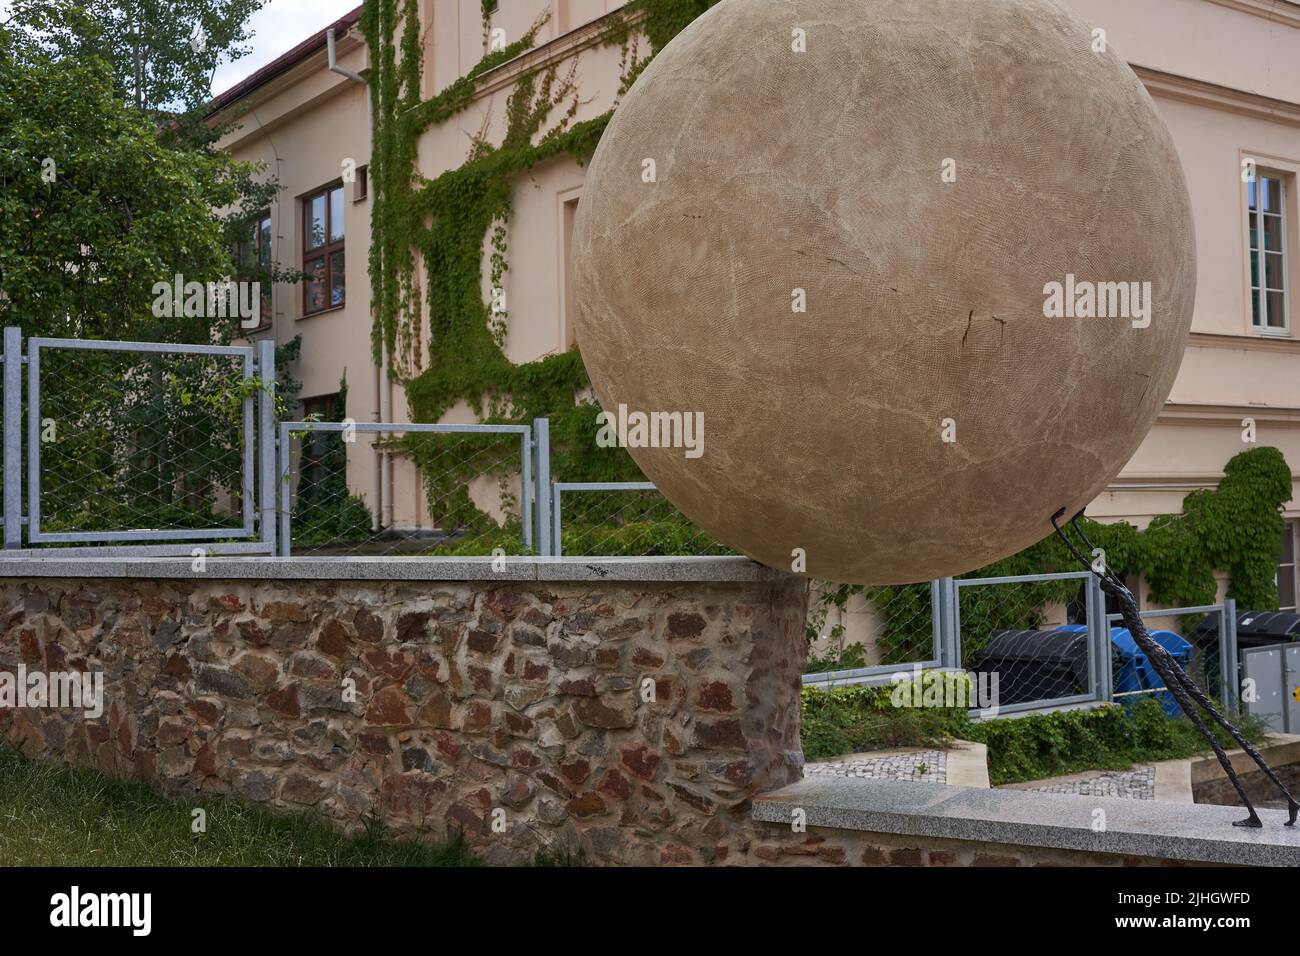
<point x="1293" y="527"/>
<point x="1255" y="218"/>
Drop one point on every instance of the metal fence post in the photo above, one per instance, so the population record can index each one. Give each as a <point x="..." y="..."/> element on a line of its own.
<point x="267" y="472"/>
<point x="950" y="622"/>
<point x="557" y="520"/>
<point x="1099" y="639"/>
<point x="13" y="447"/>
<point x="936" y="622"/>
<point x="284" y="542"/>
<point x="1228" y="652"/>
<point x="542" y="511"/>
<point x="526" y="488"/>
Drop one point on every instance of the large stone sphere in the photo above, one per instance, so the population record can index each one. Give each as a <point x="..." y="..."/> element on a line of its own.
<point x="842" y="257"/>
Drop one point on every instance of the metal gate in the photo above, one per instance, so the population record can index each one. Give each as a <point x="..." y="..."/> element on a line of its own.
<point x="137" y="447"/>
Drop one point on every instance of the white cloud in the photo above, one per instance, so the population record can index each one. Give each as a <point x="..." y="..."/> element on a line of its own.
<point x="278" y="27"/>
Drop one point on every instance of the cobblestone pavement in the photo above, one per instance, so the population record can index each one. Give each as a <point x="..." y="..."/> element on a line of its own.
<point x="1139" y="784"/>
<point x="927" y="766"/>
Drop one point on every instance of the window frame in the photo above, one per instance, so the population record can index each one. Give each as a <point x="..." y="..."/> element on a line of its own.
<point x="1257" y="296"/>
<point x="326" y="251"/>
<point x="1292" y="566"/>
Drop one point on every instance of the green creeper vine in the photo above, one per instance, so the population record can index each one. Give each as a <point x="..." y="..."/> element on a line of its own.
<point x="436" y="227"/>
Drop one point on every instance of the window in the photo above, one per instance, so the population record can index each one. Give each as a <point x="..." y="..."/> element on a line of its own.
<point x="569" y="212"/>
<point x="361" y="185"/>
<point x="253" y="261"/>
<point x="322" y="250"/>
<point x="1288" y="571"/>
<point x="322" y="467"/>
<point x="1267" y="221"/>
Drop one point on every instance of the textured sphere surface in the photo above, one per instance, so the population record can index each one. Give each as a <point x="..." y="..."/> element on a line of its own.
<point x="832" y="430"/>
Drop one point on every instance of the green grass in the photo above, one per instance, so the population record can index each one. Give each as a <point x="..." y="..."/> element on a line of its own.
<point x="52" y="815"/>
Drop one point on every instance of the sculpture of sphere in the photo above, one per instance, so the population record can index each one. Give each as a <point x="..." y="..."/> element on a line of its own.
<point x="833" y="227"/>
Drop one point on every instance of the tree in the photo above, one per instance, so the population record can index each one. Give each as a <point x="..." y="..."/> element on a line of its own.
<point x="157" y="57"/>
<point x="94" y="208"/>
<point x="162" y="53"/>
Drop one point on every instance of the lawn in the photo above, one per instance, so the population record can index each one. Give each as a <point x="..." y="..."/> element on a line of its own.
<point x="52" y="815"/>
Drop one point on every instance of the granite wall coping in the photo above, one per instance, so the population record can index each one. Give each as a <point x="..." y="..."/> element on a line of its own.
<point x="720" y="569"/>
<point x="1196" y="833"/>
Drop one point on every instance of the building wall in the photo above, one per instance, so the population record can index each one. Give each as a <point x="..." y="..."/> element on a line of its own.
<point x="1224" y="74"/>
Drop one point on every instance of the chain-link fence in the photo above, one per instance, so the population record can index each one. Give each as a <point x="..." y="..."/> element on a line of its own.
<point x="139" y="442"/>
<point x="611" y="519"/>
<point x="1029" y="637"/>
<point x="857" y="633"/>
<point x="402" y="489"/>
<point x="1194" y="637"/>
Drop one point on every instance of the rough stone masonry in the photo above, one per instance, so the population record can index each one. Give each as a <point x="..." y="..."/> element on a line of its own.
<point x="634" y="721"/>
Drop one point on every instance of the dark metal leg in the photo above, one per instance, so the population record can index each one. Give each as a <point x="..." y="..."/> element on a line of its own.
<point x="1293" y="807"/>
<point x="1180" y="685"/>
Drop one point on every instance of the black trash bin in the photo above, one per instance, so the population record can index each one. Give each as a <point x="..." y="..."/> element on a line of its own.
<point x="1254" y="629"/>
<point x="1035" y="665"/>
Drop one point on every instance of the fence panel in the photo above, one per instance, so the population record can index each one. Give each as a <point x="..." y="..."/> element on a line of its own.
<point x="139" y="441"/>
<point x="451" y="489"/>
<point x="622" y="518"/>
<point x="1038" y="634"/>
<point x="869" y="635"/>
<point x="1202" y="639"/>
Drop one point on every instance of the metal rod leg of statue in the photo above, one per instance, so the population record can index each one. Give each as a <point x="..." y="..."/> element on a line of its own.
<point x="1293" y="807"/>
<point x="1172" y="673"/>
<point x="1183" y="689"/>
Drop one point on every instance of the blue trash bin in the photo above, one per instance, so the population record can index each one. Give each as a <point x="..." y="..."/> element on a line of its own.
<point x="1133" y="672"/>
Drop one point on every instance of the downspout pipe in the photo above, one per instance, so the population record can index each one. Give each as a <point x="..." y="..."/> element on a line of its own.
<point x="333" y="62"/>
<point x="381" y="466"/>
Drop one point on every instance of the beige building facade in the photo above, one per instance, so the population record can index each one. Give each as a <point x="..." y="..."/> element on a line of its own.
<point x="1224" y="75"/>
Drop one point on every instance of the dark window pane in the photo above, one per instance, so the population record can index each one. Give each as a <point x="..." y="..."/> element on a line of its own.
<point x="1276" y="313"/>
<point x="1286" y="588"/>
<point x="316" y="222"/>
<point x="1252" y="193"/>
<point x="1288" y="544"/>
<point x="1273" y="233"/>
<point x="264" y="243"/>
<point x="1254" y="307"/>
<point x="1254" y="269"/>
<point x="1273" y="271"/>
<point x="336" y="214"/>
<point x="315" y="285"/>
<point x="337" y="279"/>
<point x="1272" y="194"/>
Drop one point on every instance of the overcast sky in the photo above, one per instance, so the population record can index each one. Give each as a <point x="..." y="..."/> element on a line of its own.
<point x="279" y="26"/>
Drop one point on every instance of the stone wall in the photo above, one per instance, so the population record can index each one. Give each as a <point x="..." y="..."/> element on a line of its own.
<point x="634" y="721"/>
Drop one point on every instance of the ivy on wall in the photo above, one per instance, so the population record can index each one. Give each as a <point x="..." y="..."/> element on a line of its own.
<point x="433" y="231"/>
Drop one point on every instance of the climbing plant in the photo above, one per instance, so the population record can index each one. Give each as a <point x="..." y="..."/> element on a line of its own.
<point x="433" y="231"/>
